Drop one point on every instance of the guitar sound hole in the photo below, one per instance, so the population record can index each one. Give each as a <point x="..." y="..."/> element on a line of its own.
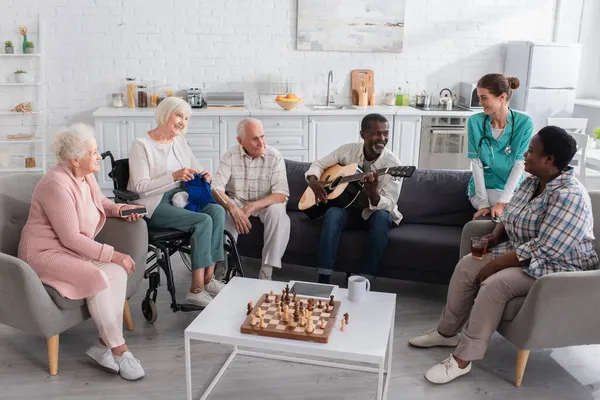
<point x="335" y="182"/>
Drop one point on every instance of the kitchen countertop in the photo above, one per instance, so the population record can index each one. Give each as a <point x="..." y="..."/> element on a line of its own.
<point x="275" y="110"/>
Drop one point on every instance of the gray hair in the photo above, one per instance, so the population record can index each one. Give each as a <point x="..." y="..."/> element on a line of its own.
<point x="241" y="127"/>
<point x="170" y="105"/>
<point x="72" y="143"/>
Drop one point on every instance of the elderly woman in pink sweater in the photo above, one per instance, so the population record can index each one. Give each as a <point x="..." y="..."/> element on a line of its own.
<point x="67" y="211"/>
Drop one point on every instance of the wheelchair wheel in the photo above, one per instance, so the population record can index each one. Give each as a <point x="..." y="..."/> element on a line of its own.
<point x="149" y="310"/>
<point x="186" y="256"/>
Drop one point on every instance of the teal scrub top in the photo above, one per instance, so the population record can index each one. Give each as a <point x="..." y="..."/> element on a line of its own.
<point x="501" y="164"/>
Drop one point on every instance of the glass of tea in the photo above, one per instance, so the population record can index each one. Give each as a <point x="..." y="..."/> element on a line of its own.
<point x="478" y="247"/>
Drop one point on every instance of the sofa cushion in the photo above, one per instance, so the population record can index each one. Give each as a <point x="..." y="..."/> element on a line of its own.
<point x="62" y="302"/>
<point x="512" y="308"/>
<point x="295" y="171"/>
<point x="436" y="197"/>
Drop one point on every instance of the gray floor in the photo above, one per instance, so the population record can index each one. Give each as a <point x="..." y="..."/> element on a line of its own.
<point x="571" y="373"/>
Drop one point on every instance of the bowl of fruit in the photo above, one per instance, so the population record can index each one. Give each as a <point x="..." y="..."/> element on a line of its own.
<point x="288" y="102"/>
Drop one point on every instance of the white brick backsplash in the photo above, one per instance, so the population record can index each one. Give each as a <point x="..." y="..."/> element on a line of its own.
<point x="91" y="46"/>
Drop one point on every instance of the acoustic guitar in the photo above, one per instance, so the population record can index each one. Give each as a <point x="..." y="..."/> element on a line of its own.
<point x="344" y="187"/>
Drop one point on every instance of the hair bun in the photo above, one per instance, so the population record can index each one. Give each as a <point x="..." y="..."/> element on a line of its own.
<point x="513" y="82"/>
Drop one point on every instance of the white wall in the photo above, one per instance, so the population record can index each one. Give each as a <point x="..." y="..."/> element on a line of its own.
<point x="92" y="45"/>
<point x="589" y="78"/>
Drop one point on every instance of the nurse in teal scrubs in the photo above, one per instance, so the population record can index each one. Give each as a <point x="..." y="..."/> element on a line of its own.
<point x="498" y="138"/>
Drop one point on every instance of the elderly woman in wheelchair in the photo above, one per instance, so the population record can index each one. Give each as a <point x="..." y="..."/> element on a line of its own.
<point x="67" y="211"/>
<point x="160" y="160"/>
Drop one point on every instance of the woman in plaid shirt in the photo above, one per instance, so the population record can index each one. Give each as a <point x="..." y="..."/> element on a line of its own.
<point x="547" y="227"/>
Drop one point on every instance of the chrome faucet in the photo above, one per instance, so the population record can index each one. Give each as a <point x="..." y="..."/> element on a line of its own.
<point x="329" y="80"/>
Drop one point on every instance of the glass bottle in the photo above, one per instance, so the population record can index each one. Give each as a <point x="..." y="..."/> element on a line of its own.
<point x="142" y="96"/>
<point x="399" y="97"/>
<point x="117" y="99"/>
<point x="130" y="92"/>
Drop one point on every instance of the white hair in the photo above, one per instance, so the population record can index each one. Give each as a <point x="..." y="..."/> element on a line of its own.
<point x="241" y="127"/>
<point x="72" y="143"/>
<point x="170" y="105"/>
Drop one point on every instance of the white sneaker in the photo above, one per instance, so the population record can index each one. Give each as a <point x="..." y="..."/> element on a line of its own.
<point x="432" y="338"/>
<point x="214" y="287"/>
<point x="129" y="367"/>
<point x="446" y="371"/>
<point x="200" y="298"/>
<point x="103" y="356"/>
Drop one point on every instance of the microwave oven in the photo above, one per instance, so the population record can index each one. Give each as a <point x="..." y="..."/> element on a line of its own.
<point x="468" y="95"/>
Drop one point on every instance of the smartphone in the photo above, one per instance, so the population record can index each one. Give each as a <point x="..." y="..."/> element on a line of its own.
<point x="139" y="210"/>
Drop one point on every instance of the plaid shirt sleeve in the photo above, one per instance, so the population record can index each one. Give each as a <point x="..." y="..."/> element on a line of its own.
<point x="223" y="174"/>
<point x="279" y="183"/>
<point x="562" y="228"/>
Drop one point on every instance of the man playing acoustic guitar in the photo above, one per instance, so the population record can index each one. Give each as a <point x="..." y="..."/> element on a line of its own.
<point x="374" y="209"/>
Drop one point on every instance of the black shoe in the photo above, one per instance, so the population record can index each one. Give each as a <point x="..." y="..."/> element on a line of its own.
<point x="324" y="279"/>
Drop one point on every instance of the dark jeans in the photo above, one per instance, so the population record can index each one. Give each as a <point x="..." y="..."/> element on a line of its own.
<point x="336" y="220"/>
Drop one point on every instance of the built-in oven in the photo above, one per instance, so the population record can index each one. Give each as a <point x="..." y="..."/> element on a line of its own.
<point x="444" y="143"/>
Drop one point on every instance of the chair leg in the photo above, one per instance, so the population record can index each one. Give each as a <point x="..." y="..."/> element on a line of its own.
<point x="53" y="354"/>
<point x="127" y="316"/>
<point x="522" y="357"/>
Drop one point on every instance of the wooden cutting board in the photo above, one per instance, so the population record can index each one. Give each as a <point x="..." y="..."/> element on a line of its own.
<point x="356" y="78"/>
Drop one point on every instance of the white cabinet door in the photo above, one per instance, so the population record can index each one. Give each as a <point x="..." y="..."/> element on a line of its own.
<point x="295" y="155"/>
<point x="209" y="160"/>
<point x="228" y="130"/>
<point x="328" y="133"/>
<point x="407" y="134"/>
<point x="111" y="136"/>
<point x="140" y="127"/>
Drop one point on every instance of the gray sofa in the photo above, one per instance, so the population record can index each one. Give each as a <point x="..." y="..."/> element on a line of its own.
<point x="425" y="247"/>
<point x="28" y="305"/>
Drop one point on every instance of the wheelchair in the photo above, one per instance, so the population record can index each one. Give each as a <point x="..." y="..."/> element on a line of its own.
<point x="163" y="243"/>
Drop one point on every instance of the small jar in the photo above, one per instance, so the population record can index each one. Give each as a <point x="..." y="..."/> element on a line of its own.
<point x="142" y="96"/>
<point x="117" y="100"/>
<point x="131" y="92"/>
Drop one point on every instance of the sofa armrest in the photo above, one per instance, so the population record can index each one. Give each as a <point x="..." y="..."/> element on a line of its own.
<point x="560" y="310"/>
<point x="473" y="229"/>
<point x="128" y="238"/>
<point x="24" y="302"/>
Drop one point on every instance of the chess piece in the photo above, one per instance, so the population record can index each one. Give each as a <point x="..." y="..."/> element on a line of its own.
<point x="279" y="311"/>
<point x="310" y="327"/>
<point x="252" y="320"/>
<point x="258" y="313"/>
<point x="323" y="323"/>
<point x="320" y="304"/>
<point x="251" y="304"/>
<point x="287" y="290"/>
<point x="263" y="325"/>
<point x="286" y="314"/>
<point x="271" y="292"/>
<point x="276" y="298"/>
<point x="329" y="308"/>
<point x="297" y="315"/>
<point x="343" y="328"/>
<point x="249" y="308"/>
<point x="331" y="302"/>
<point x="267" y="299"/>
<point x="346" y="316"/>
<point x="294" y="297"/>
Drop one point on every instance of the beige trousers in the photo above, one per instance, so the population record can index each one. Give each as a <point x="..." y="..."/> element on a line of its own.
<point x="276" y="232"/>
<point x="478" y="310"/>
<point x="106" y="306"/>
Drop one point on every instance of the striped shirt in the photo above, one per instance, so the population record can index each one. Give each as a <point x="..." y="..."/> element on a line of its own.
<point x="246" y="179"/>
<point x="554" y="230"/>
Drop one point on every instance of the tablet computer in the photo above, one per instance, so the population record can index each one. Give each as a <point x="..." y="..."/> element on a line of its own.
<point x="312" y="289"/>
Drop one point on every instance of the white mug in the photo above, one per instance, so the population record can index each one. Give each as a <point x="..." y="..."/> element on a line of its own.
<point x="358" y="286"/>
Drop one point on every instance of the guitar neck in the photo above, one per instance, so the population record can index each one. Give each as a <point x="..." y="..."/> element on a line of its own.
<point x="359" y="177"/>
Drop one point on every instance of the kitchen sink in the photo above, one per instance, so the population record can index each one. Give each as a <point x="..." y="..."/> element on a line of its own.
<point x="316" y="107"/>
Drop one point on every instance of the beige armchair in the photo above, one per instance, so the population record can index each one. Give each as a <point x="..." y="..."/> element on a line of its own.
<point x="560" y="310"/>
<point x="28" y="305"/>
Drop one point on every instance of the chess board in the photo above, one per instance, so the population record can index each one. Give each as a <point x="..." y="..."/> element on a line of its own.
<point x="291" y="330"/>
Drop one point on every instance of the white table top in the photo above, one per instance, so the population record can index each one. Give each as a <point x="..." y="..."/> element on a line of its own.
<point x="365" y="338"/>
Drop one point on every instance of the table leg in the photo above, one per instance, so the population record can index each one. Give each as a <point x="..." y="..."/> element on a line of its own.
<point x="388" y="374"/>
<point x="188" y="369"/>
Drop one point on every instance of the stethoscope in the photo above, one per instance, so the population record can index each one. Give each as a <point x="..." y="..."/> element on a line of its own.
<point x="507" y="149"/>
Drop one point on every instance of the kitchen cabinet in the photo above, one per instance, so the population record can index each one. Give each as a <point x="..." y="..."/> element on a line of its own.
<point x="407" y="136"/>
<point x="116" y="134"/>
<point x="327" y="133"/>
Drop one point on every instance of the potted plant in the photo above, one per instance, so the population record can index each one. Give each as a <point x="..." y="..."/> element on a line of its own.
<point x="20" y="76"/>
<point x="597" y="136"/>
<point x="29" y="47"/>
<point x="8" y="47"/>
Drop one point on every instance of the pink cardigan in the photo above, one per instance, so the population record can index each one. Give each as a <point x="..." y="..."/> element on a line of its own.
<point x="56" y="242"/>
